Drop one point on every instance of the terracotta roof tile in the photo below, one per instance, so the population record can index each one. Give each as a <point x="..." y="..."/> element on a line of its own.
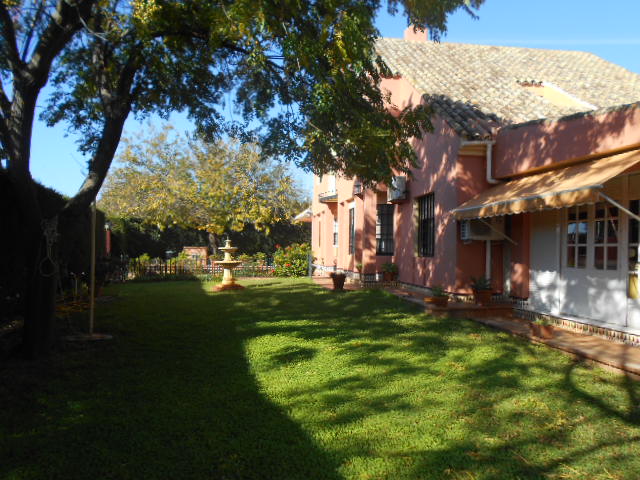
<point x="476" y="87"/>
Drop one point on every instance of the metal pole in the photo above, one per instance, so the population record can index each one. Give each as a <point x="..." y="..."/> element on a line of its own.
<point x="92" y="287"/>
<point x="621" y="207"/>
<point x="487" y="259"/>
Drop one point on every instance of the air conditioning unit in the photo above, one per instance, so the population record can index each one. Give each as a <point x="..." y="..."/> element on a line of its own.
<point x="397" y="191"/>
<point x="485" y="229"/>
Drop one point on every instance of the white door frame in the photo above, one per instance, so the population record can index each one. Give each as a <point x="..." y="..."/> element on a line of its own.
<point x="589" y="292"/>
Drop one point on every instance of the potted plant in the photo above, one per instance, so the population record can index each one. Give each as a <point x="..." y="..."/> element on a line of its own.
<point x="338" y="279"/>
<point x="481" y="290"/>
<point x="389" y="271"/>
<point x="542" y="328"/>
<point x="438" y="297"/>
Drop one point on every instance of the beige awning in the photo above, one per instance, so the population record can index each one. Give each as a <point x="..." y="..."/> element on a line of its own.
<point x="558" y="188"/>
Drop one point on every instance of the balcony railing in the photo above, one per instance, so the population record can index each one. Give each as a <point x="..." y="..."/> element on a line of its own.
<point x="328" y="197"/>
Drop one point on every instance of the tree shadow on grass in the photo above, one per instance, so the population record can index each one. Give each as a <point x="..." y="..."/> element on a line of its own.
<point x="171" y="397"/>
<point x="289" y="381"/>
<point x="515" y="414"/>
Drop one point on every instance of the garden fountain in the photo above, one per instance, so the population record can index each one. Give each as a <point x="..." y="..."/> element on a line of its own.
<point x="228" y="264"/>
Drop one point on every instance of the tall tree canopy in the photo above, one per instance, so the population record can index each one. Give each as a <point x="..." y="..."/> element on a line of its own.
<point x="165" y="179"/>
<point x="305" y="72"/>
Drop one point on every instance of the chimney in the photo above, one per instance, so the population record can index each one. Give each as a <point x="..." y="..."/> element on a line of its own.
<point x="418" y="36"/>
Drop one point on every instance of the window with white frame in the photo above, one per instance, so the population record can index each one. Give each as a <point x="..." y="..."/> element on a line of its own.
<point x="335" y="231"/>
<point x="605" y="242"/>
<point x="634" y="234"/>
<point x="577" y="229"/>
<point x="331" y="182"/>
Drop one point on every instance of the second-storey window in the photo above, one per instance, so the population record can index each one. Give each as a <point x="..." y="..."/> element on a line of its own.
<point x="384" y="229"/>
<point x="335" y="232"/>
<point x="352" y="230"/>
<point x="426" y="225"/>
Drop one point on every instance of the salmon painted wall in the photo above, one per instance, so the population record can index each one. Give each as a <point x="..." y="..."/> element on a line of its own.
<point x="436" y="172"/>
<point x="322" y="224"/>
<point x="540" y="144"/>
<point x="471" y="180"/>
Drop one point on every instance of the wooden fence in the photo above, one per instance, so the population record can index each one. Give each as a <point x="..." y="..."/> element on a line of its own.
<point x="189" y="267"/>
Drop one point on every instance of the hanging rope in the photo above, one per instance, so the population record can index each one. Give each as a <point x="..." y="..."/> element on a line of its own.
<point x="48" y="267"/>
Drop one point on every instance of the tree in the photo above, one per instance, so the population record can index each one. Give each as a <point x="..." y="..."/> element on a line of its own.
<point x="166" y="179"/>
<point x="305" y="72"/>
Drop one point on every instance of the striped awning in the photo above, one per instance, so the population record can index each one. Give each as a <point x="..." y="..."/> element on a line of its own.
<point x="563" y="187"/>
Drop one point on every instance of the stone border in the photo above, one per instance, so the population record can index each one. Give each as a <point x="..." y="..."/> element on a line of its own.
<point x="579" y="327"/>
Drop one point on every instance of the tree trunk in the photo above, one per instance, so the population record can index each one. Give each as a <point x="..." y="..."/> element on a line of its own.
<point x="40" y="303"/>
<point x="213" y="243"/>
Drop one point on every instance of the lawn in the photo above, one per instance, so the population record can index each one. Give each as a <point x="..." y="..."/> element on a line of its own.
<point x="285" y="380"/>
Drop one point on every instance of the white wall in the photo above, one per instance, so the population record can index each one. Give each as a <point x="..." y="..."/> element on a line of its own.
<point x="544" y="272"/>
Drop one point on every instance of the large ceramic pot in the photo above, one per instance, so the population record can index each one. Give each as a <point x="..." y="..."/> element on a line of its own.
<point x="389" y="276"/>
<point x="338" y="280"/>
<point x="482" y="297"/>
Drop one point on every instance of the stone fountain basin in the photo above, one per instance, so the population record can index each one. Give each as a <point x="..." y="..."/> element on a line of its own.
<point x="227" y="263"/>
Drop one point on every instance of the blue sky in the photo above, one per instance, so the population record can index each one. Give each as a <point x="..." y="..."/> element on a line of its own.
<point x="608" y="29"/>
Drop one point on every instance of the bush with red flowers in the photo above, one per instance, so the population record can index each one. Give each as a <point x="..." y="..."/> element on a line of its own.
<point x="292" y="261"/>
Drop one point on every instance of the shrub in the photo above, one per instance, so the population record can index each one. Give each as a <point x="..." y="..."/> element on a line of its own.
<point x="260" y="258"/>
<point x="245" y="258"/>
<point x="292" y="261"/>
<point x="479" y="284"/>
<point x="390" y="267"/>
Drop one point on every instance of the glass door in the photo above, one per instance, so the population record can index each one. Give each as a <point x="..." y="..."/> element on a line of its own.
<point x="594" y="287"/>
<point x="633" y="267"/>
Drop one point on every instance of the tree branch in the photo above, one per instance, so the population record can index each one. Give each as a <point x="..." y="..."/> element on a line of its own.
<point x="65" y="22"/>
<point x="5" y="104"/>
<point x="116" y="115"/>
<point x="29" y="36"/>
<point x="8" y="32"/>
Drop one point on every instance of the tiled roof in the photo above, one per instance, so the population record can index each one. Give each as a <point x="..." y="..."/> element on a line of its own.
<point x="476" y="87"/>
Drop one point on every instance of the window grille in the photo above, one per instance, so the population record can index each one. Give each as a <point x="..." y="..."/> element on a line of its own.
<point x="426" y="226"/>
<point x="384" y="229"/>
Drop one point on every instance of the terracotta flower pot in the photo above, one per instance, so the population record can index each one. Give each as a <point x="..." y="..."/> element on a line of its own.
<point x="437" y="301"/>
<point x="482" y="297"/>
<point x="389" y="276"/>
<point x="338" y="280"/>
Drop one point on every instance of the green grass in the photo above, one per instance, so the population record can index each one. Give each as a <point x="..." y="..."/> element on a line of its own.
<point x="285" y="380"/>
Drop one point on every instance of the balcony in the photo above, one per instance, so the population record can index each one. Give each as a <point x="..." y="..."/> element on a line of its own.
<point x="328" y="197"/>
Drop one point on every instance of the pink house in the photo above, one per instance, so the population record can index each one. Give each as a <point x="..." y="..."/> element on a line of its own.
<point x="531" y="177"/>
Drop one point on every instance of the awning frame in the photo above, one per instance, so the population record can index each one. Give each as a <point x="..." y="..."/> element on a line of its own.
<point x="503" y="235"/>
<point x="616" y="204"/>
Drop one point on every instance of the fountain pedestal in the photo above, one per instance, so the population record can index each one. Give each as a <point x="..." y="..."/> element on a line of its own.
<point x="228" y="264"/>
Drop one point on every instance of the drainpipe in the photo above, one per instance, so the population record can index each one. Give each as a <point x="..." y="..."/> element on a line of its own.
<point x="489" y="156"/>
<point x="492" y="181"/>
<point x="487" y="259"/>
<point x="490" y="178"/>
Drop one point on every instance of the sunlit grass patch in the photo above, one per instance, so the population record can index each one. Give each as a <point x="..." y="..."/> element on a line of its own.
<point x="286" y="380"/>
